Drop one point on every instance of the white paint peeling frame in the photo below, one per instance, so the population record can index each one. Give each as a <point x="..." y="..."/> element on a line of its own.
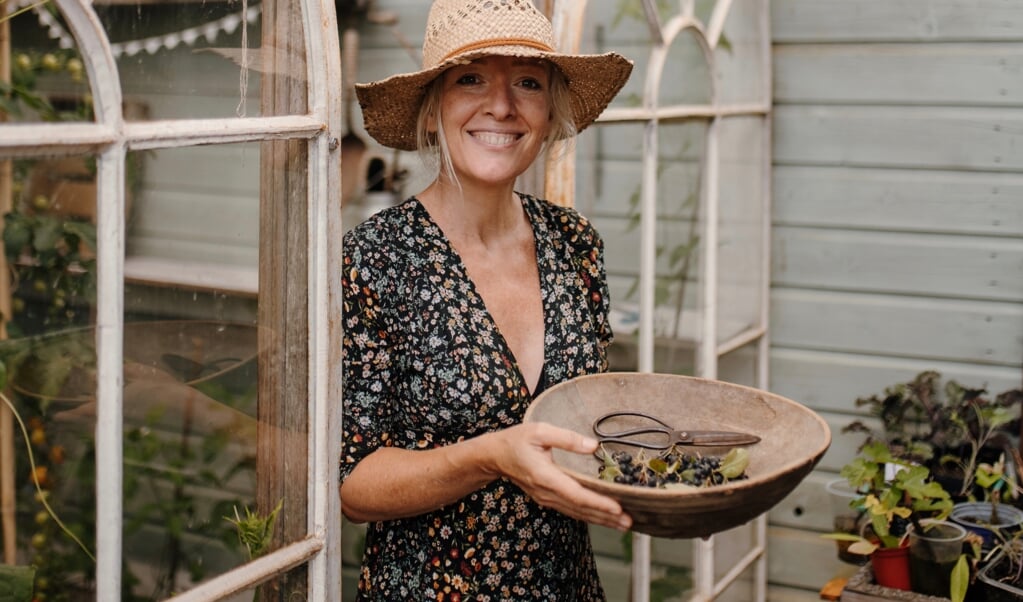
<point x="110" y="138"/>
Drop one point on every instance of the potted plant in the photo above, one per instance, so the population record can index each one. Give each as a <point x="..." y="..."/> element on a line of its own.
<point x="895" y="494"/>
<point x="991" y="519"/>
<point x="947" y="427"/>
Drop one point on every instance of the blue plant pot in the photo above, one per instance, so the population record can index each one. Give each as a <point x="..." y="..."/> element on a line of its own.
<point x="975" y="517"/>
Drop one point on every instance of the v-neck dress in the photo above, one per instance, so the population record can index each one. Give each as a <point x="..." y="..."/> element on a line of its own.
<point x="425" y="366"/>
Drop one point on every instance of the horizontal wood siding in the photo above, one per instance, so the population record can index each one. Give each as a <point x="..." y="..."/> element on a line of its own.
<point x="867" y="21"/>
<point x="897" y="239"/>
<point x="904" y="200"/>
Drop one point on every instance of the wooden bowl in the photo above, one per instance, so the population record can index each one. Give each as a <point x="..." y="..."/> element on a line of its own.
<point x="793" y="439"/>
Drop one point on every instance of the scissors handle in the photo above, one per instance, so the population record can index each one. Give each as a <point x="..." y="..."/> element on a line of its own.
<point x="628" y="436"/>
<point x="643" y="430"/>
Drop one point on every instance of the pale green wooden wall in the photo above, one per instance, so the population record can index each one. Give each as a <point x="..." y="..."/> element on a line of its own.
<point x="898" y="215"/>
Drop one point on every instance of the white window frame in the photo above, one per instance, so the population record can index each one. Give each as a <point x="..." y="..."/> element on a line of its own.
<point x="109" y="137"/>
<point x="568" y="17"/>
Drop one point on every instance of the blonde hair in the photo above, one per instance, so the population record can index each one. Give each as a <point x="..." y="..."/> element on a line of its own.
<point x="433" y="148"/>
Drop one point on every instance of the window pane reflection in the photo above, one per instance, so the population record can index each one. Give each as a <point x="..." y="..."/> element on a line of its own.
<point x="193" y="489"/>
<point x="49" y="357"/>
<point x="188" y="60"/>
<point x="189" y="450"/>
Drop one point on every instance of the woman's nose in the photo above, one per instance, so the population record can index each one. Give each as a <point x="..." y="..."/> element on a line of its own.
<point x="501" y="101"/>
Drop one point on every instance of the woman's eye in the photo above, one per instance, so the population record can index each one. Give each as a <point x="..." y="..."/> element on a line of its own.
<point x="532" y="84"/>
<point x="467" y="79"/>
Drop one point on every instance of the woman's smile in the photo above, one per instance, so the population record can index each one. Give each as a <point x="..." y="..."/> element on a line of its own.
<point x="495" y="138"/>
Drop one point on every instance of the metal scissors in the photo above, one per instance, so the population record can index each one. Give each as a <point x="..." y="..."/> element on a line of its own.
<point x="666" y="436"/>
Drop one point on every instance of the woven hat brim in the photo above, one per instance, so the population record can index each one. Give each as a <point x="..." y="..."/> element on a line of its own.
<point x="390" y="107"/>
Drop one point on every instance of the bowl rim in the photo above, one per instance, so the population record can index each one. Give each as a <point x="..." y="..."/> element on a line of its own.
<point x="724" y="488"/>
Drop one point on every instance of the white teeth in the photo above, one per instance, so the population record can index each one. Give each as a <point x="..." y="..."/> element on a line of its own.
<point x="495" y="138"/>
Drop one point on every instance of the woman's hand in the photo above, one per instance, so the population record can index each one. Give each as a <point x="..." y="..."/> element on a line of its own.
<point x="395" y="483"/>
<point x="522" y="453"/>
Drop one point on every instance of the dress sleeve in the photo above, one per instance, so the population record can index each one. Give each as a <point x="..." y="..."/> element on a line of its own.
<point x="368" y="411"/>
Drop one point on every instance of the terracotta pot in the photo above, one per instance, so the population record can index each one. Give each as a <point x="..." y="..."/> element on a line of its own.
<point x="891" y="567"/>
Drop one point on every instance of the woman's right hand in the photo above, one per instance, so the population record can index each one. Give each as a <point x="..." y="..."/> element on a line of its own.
<point x="522" y="454"/>
<point x="393" y="483"/>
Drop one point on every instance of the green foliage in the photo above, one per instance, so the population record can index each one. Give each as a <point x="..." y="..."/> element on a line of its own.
<point x="162" y="481"/>
<point x="19" y="96"/>
<point x="960" y="580"/>
<point x="995" y="481"/>
<point x="633" y="9"/>
<point x="672" y="585"/>
<point x="895" y="491"/>
<point x="941" y="426"/>
<point x="908" y="494"/>
<point x="16" y="583"/>
<point x="255" y="532"/>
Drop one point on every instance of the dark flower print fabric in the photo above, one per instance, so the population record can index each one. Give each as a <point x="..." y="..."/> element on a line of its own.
<point x="425" y="366"/>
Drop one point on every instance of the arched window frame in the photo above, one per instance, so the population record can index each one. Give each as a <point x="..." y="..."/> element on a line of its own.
<point x="568" y="16"/>
<point x="110" y="138"/>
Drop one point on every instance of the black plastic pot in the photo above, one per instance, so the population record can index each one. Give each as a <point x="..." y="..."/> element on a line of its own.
<point x="993" y="589"/>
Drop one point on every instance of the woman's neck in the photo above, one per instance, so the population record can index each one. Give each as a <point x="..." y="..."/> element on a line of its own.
<point x="480" y="215"/>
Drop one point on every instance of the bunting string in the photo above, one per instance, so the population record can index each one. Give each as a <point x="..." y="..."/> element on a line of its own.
<point x="151" y="45"/>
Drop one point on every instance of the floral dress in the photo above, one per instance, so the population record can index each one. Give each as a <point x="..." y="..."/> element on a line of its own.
<point x="425" y="366"/>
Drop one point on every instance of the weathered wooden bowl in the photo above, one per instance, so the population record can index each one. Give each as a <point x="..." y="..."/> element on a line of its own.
<point x="793" y="439"/>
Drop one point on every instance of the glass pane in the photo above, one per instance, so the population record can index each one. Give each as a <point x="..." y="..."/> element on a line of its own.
<point x="48" y="79"/>
<point x="197" y="477"/>
<point x="609" y="183"/>
<point x="740" y="70"/>
<point x="625" y="33"/>
<point x="189" y="450"/>
<point x="195" y="468"/>
<point x="196" y="208"/>
<point x="741" y="238"/>
<point x="686" y="76"/>
<point x="207" y="59"/>
<point x="50" y="247"/>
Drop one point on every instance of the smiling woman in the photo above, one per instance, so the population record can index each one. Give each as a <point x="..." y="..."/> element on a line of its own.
<point x="460" y="306"/>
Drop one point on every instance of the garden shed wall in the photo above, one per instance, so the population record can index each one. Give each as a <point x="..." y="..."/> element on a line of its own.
<point x="897" y="220"/>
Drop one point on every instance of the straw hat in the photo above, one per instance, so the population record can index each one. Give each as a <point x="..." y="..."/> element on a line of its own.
<point x="459" y="31"/>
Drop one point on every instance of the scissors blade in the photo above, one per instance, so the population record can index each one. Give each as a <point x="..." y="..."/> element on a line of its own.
<point x="714" y="438"/>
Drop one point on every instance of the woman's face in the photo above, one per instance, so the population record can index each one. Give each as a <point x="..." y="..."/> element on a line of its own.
<point x="495" y="113"/>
